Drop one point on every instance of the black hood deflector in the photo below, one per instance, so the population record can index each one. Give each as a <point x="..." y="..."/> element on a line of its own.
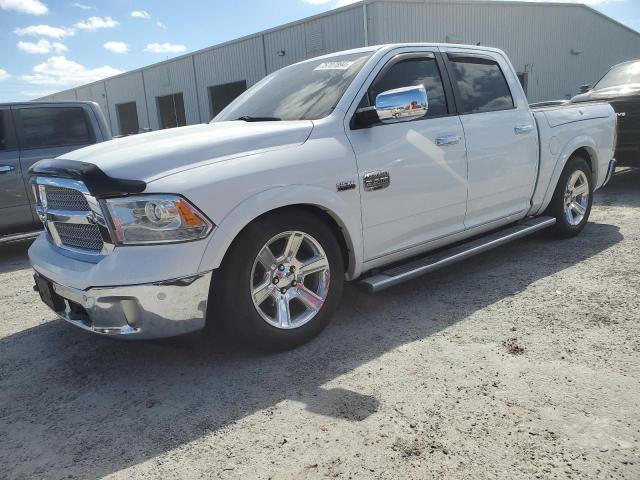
<point x="100" y="184"/>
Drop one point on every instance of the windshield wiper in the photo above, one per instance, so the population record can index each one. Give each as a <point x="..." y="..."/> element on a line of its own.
<point x="248" y="118"/>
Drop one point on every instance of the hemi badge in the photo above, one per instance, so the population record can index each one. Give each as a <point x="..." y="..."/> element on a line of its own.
<point x="346" y="185"/>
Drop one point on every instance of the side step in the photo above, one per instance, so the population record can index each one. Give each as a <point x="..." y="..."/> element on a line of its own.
<point x="19" y="236"/>
<point x="416" y="268"/>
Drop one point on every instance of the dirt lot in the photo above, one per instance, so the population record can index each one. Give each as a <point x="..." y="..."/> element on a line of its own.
<point x="521" y="363"/>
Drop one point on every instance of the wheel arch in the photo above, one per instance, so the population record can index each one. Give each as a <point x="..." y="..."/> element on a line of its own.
<point x="580" y="146"/>
<point x="342" y="217"/>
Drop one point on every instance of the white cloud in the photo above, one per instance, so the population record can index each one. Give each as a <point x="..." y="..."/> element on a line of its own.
<point x="141" y="14"/>
<point x="82" y="6"/>
<point x="4" y="74"/>
<point x="32" y="7"/>
<point x="60" y="71"/>
<point x="116" y="47"/>
<point x="92" y="24"/>
<point x="41" y="46"/>
<point x="160" y="24"/>
<point x="164" y="48"/>
<point x="44" y="31"/>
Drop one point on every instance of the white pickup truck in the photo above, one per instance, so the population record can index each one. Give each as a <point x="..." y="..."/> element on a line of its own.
<point x="354" y="165"/>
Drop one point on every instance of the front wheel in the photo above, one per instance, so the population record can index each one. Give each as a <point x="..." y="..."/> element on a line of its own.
<point x="572" y="199"/>
<point x="282" y="280"/>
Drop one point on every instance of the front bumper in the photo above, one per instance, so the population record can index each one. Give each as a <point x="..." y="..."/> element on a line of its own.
<point x="152" y="310"/>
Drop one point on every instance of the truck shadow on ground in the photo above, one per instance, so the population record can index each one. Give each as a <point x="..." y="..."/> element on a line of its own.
<point x="74" y="404"/>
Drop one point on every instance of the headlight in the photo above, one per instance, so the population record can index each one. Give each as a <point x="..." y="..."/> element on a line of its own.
<point x="156" y="219"/>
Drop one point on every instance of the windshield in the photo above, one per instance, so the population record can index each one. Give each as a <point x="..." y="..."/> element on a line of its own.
<point x="305" y="91"/>
<point x="620" y="75"/>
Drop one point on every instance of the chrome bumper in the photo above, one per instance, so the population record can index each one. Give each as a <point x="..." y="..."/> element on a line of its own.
<point x="154" y="310"/>
<point x="610" y="171"/>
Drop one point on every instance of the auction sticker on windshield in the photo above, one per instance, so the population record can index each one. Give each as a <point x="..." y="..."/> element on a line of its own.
<point x="334" y="66"/>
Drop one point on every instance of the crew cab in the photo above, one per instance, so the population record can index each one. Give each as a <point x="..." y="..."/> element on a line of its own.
<point x="620" y="86"/>
<point x="352" y="166"/>
<point x="30" y="132"/>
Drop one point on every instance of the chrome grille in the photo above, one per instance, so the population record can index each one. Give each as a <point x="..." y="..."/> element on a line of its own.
<point x="83" y="236"/>
<point x="73" y="219"/>
<point x="59" y="198"/>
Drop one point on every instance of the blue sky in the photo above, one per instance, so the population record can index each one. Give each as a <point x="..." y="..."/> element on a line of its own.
<point x="51" y="45"/>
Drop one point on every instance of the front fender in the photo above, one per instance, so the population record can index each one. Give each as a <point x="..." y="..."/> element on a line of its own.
<point x="345" y="209"/>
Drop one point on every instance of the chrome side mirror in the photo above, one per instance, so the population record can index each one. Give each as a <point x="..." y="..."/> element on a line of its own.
<point x="584" y="88"/>
<point x="402" y="104"/>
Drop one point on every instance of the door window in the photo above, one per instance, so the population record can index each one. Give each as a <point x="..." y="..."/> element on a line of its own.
<point x="223" y="95"/>
<point x="413" y="72"/>
<point x="128" y="118"/>
<point x="171" y="111"/>
<point x="480" y="84"/>
<point x="53" y="127"/>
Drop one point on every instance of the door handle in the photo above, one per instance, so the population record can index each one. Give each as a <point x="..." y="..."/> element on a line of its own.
<point x="447" y="140"/>
<point x="522" y="129"/>
<point x="6" y="168"/>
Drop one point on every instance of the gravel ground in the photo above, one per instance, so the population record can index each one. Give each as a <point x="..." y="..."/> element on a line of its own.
<point x="521" y="363"/>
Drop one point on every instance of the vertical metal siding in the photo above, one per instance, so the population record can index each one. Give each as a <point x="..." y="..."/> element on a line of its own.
<point x="169" y="78"/>
<point x="95" y="92"/>
<point x="65" y="96"/>
<point x="537" y="38"/>
<point x="230" y="63"/>
<point x="332" y="33"/>
<point x="124" y="89"/>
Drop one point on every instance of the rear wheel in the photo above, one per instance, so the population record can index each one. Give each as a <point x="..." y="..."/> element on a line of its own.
<point x="281" y="281"/>
<point x="572" y="199"/>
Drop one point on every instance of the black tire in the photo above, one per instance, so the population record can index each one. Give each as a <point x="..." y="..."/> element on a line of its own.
<point x="231" y="297"/>
<point x="563" y="227"/>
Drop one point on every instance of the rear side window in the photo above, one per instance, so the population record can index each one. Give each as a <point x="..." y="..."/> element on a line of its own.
<point x="413" y="72"/>
<point x="481" y="84"/>
<point x="53" y="127"/>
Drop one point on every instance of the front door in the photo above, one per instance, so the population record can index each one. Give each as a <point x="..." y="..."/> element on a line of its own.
<point x="424" y="159"/>
<point x="15" y="213"/>
<point x="501" y="136"/>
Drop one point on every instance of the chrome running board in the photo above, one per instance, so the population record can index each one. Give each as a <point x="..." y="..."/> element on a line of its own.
<point x="415" y="268"/>
<point x="19" y="236"/>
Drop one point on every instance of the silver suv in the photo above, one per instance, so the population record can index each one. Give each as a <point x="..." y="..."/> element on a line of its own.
<point x="30" y="132"/>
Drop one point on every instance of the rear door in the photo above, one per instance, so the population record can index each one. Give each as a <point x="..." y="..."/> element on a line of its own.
<point x="500" y="133"/>
<point x="15" y="215"/>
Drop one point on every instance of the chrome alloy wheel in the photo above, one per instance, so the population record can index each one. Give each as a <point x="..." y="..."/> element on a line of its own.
<point x="576" y="197"/>
<point x="290" y="280"/>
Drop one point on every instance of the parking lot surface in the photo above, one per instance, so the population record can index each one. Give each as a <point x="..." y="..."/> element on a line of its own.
<point x="521" y="363"/>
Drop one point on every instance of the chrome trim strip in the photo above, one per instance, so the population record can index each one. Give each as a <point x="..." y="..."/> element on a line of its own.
<point x="411" y="270"/>
<point x="610" y="171"/>
<point x="19" y="236"/>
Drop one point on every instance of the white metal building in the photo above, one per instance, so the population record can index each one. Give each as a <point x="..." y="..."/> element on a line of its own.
<point x="555" y="47"/>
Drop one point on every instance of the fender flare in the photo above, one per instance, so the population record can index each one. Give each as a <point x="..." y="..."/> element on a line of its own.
<point x="346" y="216"/>
<point x="582" y="141"/>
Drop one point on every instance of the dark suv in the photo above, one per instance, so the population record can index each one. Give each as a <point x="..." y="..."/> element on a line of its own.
<point x="621" y="88"/>
<point x="30" y="132"/>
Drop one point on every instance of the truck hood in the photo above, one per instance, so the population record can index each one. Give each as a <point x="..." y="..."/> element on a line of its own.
<point x="608" y="93"/>
<point x="152" y="155"/>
